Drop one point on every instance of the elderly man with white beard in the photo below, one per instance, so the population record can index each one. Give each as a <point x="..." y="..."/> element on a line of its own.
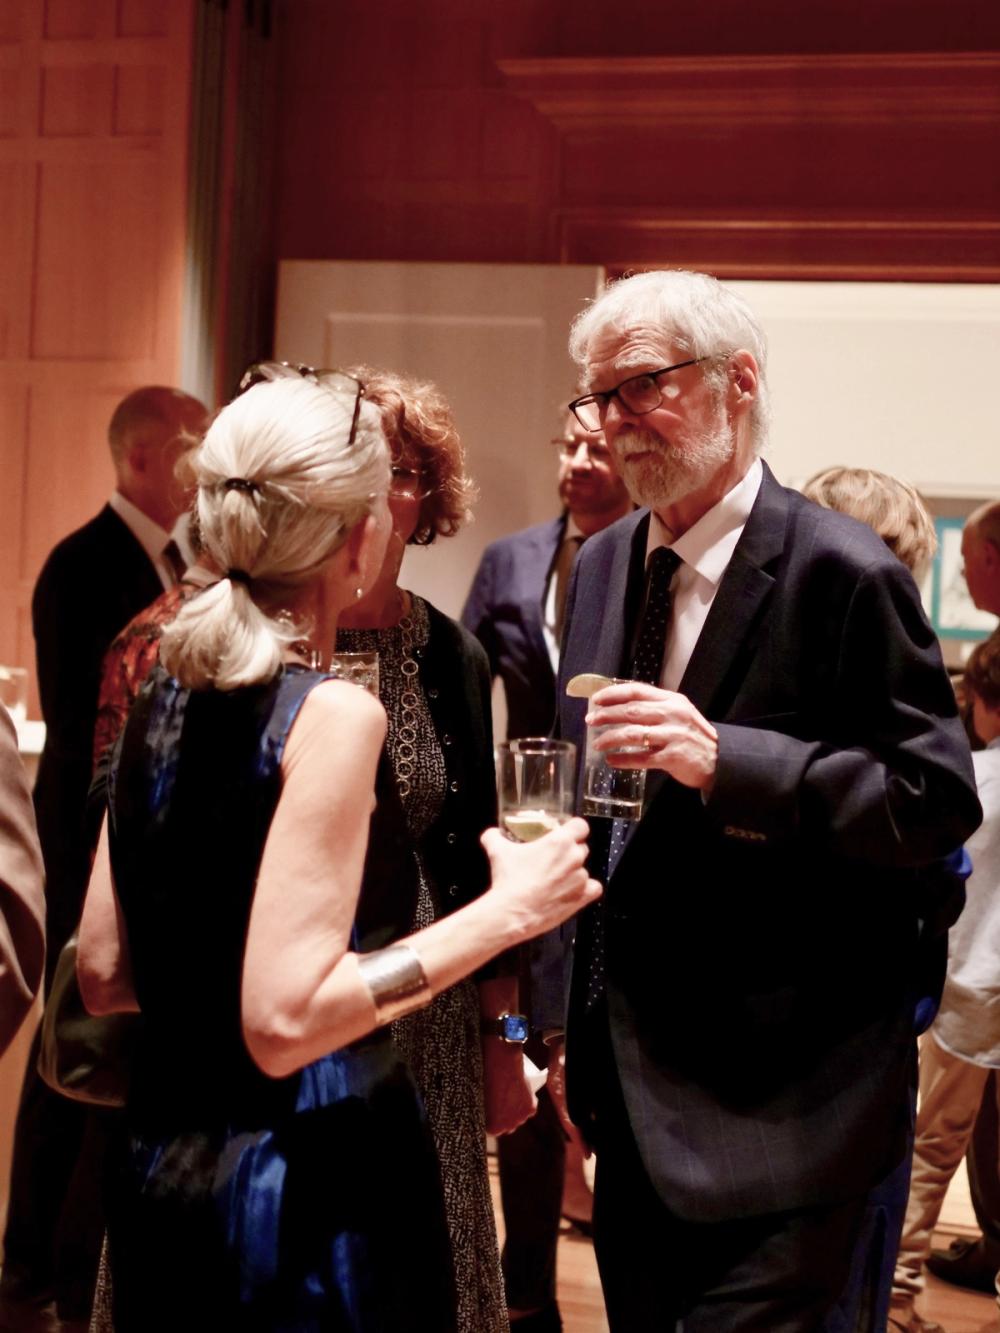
<point x="739" y="1046"/>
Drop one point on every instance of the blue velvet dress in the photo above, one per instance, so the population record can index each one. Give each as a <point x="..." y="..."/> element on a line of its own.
<point x="307" y="1204"/>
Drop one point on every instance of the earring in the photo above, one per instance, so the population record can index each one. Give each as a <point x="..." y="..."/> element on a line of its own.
<point x="359" y="593"/>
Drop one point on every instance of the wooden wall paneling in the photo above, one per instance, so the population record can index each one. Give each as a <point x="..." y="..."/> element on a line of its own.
<point x="18" y="202"/>
<point x="790" y="166"/>
<point x="68" y="468"/>
<point x="12" y="21"/>
<point x="142" y="18"/>
<point x="93" y="159"/>
<point x="398" y="140"/>
<point x="87" y="19"/>
<point x="95" y="292"/>
<point x="77" y="100"/>
<point x="139" y="99"/>
<point x="13" y="450"/>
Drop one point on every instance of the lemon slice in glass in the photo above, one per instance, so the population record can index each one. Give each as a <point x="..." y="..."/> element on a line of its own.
<point x="527" y="825"/>
<point x="583" y="686"/>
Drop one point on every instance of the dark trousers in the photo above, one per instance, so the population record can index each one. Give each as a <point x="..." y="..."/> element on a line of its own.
<point x="55" y="1220"/>
<point x="864" y="1304"/>
<point x="778" y="1273"/>
<point x="531" y="1162"/>
<point x="781" y="1273"/>
<point x="984" y="1173"/>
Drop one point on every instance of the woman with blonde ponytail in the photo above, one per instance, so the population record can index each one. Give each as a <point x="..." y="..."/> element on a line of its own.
<point x="278" y="1172"/>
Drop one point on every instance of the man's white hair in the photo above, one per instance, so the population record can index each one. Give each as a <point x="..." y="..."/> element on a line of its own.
<point x="691" y="311"/>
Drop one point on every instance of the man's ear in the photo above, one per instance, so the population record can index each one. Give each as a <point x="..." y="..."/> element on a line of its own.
<point x="991" y="554"/>
<point x="744" y="377"/>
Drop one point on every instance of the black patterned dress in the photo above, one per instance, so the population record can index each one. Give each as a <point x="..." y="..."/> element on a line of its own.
<point x="441" y="1044"/>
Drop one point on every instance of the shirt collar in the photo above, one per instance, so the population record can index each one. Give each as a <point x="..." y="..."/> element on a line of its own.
<point x="150" y="536"/>
<point x="708" y="545"/>
<point x="572" y="527"/>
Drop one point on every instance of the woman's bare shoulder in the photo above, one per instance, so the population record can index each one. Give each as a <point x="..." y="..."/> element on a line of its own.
<point x="337" y="720"/>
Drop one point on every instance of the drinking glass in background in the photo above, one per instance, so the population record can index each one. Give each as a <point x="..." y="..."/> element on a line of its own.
<point x="535" y="785"/>
<point x="610" y="792"/>
<point x="14" y="693"/>
<point x="359" y="668"/>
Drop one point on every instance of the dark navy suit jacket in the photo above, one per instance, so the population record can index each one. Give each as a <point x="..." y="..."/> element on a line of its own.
<point x="504" y="610"/>
<point x="92" y="584"/>
<point x="761" y="945"/>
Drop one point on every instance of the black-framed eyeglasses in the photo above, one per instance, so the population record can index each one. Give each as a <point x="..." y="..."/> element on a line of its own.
<point x="337" y="381"/>
<point x="638" y="394"/>
<point x="597" y="450"/>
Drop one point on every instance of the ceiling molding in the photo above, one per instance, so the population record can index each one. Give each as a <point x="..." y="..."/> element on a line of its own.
<point x="902" y="249"/>
<point x="829" y="166"/>
<point x="580" y="94"/>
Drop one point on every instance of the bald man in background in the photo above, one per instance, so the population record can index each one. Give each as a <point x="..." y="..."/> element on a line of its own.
<point x="93" y="582"/>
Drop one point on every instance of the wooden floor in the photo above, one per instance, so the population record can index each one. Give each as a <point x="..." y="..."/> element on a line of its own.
<point x="955" y="1310"/>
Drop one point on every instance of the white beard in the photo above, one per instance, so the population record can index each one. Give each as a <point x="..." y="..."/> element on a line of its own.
<point x="672" y="471"/>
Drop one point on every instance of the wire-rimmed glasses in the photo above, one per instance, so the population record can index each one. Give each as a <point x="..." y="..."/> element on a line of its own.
<point x="408" y="483"/>
<point x="338" y="381"/>
<point x="638" y="394"/>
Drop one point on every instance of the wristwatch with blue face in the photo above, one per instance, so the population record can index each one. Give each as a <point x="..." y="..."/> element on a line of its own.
<point x="511" y="1028"/>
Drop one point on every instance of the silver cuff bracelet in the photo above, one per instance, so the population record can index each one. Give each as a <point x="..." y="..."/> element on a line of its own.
<point x="395" y="980"/>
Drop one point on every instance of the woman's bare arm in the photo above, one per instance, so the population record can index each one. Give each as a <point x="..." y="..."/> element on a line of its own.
<point x="103" y="966"/>
<point x="303" y="994"/>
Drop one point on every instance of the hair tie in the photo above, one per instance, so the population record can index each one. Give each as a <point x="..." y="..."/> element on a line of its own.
<point x="241" y="484"/>
<point x="238" y="576"/>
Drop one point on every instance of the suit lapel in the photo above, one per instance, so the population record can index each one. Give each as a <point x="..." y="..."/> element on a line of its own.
<point x="742" y="592"/>
<point x="541" y="557"/>
<point x="623" y="589"/>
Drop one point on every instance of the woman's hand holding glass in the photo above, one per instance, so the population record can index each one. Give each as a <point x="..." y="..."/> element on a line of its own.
<point x="541" y="884"/>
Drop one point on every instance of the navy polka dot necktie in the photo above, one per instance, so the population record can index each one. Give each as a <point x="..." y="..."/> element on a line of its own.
<point x="652" y="640"/>
<point x="647" y="664"/>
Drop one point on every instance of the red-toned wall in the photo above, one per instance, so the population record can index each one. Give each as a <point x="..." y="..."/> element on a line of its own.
<point x="644" y="132"/>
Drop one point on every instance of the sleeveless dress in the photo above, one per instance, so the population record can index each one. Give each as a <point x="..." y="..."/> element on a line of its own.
<point x="305" y="1204"/>
<point x="441" y="1043"/>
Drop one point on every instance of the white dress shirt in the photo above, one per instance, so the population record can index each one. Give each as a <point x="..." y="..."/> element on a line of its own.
<point x="705" y="551"/>
<point x="151" y="537"/>
<point x="968" y="1025"/>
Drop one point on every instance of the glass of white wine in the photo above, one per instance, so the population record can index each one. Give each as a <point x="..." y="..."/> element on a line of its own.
<point x="536" y="779"/>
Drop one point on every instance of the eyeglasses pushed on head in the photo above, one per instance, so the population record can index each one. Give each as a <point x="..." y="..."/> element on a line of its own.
<point x="337" y="381"/>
